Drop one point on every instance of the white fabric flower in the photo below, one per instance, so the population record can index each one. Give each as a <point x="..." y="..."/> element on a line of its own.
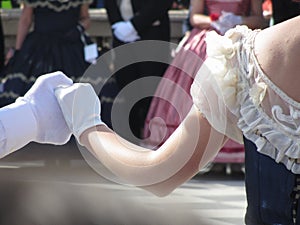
<point x="258" y="92"/>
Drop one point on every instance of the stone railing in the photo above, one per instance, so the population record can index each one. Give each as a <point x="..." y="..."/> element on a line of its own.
<point x="99" y="30"/>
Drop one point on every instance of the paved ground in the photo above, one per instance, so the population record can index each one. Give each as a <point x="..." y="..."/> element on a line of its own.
<point x="58" y="192"/>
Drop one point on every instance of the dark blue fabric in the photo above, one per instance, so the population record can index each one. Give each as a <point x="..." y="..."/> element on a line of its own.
<point x="269" y="188"/>
<point x="54" y="44"/>
<point x="100" y="3"/>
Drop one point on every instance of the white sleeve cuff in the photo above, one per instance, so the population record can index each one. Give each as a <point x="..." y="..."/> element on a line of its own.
<point x="19" y="126"/>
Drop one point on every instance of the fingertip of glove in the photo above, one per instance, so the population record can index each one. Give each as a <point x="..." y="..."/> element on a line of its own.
<point x="63" y="90"/>
<point x="58" y="90"/>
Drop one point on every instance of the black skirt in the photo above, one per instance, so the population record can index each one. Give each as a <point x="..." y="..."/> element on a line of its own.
<point x="42" y="53"/>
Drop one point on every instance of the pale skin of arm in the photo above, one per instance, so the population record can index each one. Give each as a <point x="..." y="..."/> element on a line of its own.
<point x="277" y="50"/>
<point x="183" y="139"/>
<point x="199" y="20"/>
<point x="103" y="142"/>
<point x="85" y="20"/>
<point x="197" y="17"/>
<point x="24" y="25"/>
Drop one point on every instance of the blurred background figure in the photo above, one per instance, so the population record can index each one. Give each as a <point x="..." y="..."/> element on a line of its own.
<point x="2" y="53"/>
<point x="50" y="37"/>
<point x="204" y="16"/>
<point x="138" y="20"/>
<point x="268" y="10"/>
<point x="284" y="10"/>
<point x="97" y="4"/>
<point x="181" y="4"/>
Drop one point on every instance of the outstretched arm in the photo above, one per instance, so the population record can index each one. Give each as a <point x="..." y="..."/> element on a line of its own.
<point x="85" y="20"/>
<point x="197" y="16"/>
<point x="189" y="148"/>
<point x="177" y="161"/>
<point x="24" y="24"/>
<point x="34" y="117"/>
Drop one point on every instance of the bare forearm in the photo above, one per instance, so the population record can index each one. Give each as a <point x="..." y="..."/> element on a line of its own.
<point x="200" y="21"/>
<point x="24" y="25"/>
<point x="85" y="20"/>
<point x="197" y="17"/>
<point x="158" y="171"/>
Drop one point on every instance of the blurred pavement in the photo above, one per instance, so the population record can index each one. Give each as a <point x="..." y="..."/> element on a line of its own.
<point x="53" y="185"/>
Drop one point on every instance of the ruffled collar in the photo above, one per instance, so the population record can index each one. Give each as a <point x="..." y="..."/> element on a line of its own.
<point x="276" y="135"/>
<point x="244" y="87"/>
<point x="56" y="5"/>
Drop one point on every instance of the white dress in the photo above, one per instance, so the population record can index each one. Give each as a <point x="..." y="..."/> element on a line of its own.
<point x="237" y="98"/>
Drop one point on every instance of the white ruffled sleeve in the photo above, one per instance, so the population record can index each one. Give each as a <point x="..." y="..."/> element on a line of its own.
<point x="214" y="90"/>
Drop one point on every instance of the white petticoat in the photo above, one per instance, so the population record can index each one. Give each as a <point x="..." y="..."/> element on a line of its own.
<point x="237" y="98"/>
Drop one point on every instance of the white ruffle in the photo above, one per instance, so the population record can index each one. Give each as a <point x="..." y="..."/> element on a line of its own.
<point x="231" y="79"/>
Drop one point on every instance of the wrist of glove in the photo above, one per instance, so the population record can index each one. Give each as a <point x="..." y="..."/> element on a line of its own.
<point x="226" y="21"/>
<point x="80" y="106"/>
<point x="230" y="20"/>
<point x="221" y="28"/>
<point x="20" y="126"/>
<point x="125" y="31"/>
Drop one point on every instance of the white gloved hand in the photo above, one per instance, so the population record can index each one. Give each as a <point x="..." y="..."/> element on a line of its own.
<point x="81" y="107"/>
<point x="230" y="19"/>
<point x="125" y="31"/>
<point x="51" y="127"/>
<point x="226" y="21"/>
<point x="36" y="116"/>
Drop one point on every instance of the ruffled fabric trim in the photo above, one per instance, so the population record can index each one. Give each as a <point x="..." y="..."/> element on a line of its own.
<point x="242" y="86"/>
<point x="278" y="135"/>
<point x="218" y="79"/>
<point x="56" y="5"/>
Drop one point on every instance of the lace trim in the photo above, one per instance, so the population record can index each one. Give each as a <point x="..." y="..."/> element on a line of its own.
<point x="270" y="84"/>
<point x="270" y="135"/>
<point x="232" y="57"/>
<point x="56" y="5"/>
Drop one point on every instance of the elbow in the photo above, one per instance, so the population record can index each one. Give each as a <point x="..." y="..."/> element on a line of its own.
<point x="164" y="193"/>
<point x="87" y="23"/>
<point x="192" y="22"/>
<point x="160" y="191"/>
<point x="25" y="21"/>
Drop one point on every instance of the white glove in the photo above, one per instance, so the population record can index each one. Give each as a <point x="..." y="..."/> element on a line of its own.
<point x="226" y="21"/>
<point x="81" y="107"/>
<point x="125" y="31"/>
<point x="230" y="19"/>
<point x="36" y="116"/>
